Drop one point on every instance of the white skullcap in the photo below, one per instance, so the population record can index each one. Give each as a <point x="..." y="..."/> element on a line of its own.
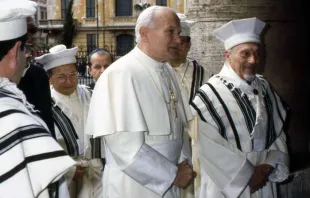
<point x="240" y="31"/>
<point x="59" y="55"/>
<point x="13" y="14"/>
<point x="185" y="24"/>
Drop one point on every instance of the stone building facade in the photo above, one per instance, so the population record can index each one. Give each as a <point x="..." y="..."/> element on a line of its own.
<point x="114" y="28"/>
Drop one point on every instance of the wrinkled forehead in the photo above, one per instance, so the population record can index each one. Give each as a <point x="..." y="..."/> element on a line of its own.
<point x="247" y="46"/>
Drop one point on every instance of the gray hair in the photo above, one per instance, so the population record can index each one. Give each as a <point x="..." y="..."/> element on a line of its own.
<point x="146" y="19"/>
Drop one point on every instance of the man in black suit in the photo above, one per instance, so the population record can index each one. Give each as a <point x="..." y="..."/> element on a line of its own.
<point x="35" y="82"/>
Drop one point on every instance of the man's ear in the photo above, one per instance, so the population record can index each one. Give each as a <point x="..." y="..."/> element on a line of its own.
<point x="144" y="33"/>
<point x="227" y="54"/>
<point x="13" y="53"/>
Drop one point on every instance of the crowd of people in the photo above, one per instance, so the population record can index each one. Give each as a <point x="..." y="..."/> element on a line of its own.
<point x="154" y="123"/>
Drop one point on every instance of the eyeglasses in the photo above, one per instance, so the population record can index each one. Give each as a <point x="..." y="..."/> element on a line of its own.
<point x="64" y="77"/>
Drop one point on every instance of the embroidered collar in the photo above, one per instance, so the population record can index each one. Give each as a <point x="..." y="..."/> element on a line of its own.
<point x="228" y="74"/>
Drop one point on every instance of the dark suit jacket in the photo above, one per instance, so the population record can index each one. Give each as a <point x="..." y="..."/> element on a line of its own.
<point x="35" y="85"/>
<point x="92" y="85"/>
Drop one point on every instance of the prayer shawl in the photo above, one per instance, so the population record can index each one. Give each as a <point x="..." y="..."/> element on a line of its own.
<point x="30" y="158"/>
<point x="241" y="126"/>
<point x="192" y="76"/>
<point x="64" y="113"/>
<point x="143" y="137"/>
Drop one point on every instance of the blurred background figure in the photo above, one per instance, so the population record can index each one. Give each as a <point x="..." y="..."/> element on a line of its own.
<point x="99" y="60"/>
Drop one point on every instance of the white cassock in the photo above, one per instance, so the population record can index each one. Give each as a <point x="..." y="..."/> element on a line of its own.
<point x="75" y="107"/>
<point x="30" y="159"/>
<point x="241" y="127"/>
<point x="192" y="76"/>
<point x="143" y="136"/>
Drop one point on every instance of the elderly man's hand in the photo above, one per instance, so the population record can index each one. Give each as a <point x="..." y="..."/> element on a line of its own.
<point x="185" y="175"/>
<point x="260" y="176"/>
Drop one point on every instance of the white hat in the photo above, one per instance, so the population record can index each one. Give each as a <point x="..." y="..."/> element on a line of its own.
<point x="185" y="25"/>
<point x="59" y="55"/>
<point x="240" y="31"/>
<point x="13" y="14"/>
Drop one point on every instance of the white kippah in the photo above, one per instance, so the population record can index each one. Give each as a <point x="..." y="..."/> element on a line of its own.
<point x="59" y="55"/>
<point x="13" y="14"/>
<point x="240" y="31"/>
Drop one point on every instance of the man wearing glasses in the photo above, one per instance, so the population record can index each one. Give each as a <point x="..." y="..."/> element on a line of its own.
<point x="70" y="109"/>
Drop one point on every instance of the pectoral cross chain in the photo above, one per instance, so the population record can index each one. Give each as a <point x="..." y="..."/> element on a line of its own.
<point x="173" y="104"/>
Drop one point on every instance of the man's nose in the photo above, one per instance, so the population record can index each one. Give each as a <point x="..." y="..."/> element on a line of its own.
<point x="253" y="59"/>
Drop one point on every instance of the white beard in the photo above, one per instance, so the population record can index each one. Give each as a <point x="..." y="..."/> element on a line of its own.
<point x="249" y="78"/>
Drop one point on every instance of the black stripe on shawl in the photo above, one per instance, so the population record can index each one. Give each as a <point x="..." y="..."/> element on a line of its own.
<point x="228" y="116"/>
<point x="9" y="112"/>
<point x="21" y="134"/>
<point x="96" y="147"/>
<point x="245" y="105"/>
<point x="66" y="129"/>
<point x="276" y="101"/>
<point x="198" y="111"/>
<point x="5" y="93"/>
<point x="205" y="99"/>
<point x="191" y="96"/>
<point x="271" y="133"/>
<point x="28" y="160"/>
<point x="198" y="75"/>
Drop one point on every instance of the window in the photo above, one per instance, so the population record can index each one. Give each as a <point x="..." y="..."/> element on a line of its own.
<point x="43" y="13"/>
<point x="90" y="8"/>
<point x="124" y="43"/>
<point x="64" y="6"/>
<point x="161" y="2"/>
<point x="91" y="42"/>
<point x="123" y="8"/>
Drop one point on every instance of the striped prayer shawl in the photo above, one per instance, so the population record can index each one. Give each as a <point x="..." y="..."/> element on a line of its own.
<point x="198" y="75"/>
<point x="70" y="136"/>
<point x="30" y="158"/>
<point x="66" y="129"/>
<point x="214" y="105"/>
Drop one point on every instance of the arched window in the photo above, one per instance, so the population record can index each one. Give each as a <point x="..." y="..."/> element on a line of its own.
<point x="123" y="7"/>
<point x="124" y="43"/>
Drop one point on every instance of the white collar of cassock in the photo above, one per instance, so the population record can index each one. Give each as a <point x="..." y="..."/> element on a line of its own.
<point x="147" y="61"/>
